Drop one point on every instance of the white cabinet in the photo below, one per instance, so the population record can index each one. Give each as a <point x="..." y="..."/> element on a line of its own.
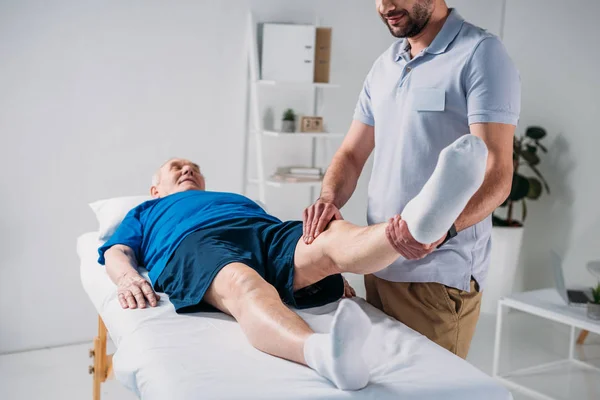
<point x="288" y="52"/>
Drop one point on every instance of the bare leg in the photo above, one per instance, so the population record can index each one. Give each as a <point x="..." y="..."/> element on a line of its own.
<point x="270" y="326"/>
<point x="343" y="247"/>
<point x="274" y="329"/>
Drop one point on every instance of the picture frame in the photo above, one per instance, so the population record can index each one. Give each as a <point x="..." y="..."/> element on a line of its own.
<point x="311" y="124"/>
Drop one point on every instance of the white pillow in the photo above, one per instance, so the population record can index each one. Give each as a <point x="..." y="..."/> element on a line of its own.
<point x="111" y="212"/>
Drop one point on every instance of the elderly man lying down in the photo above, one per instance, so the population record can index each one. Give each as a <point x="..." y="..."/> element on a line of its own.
<point x="221" y="250"/>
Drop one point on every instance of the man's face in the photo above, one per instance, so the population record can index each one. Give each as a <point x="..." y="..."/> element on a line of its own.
<point x="178" y="175"/>
<point x="405" y="18"/>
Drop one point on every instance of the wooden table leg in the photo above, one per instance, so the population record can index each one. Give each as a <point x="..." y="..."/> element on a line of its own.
<point x="109" y="367"/>
<point x="102" y="363"/>
<point x="95" y="369"/>
<point x="582" y="336"/>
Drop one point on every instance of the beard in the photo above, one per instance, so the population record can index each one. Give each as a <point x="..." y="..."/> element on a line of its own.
<point x="413" y="22"/>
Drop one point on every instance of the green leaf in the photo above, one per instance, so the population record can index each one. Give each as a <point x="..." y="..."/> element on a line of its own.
<point x="530" y="163"/>
<point x="531" y="149"/>
<point x="535" y="189"/>
<point x="541" y="146"/>
<point x="539" y="174"/>
<point x="535" y="132"/>
<point x="596" y="294"/>
<point x="289" y="115"/>
<point x="530" y="157"/>
<point x="519" y="188"/>
<point x="524" y="210"/>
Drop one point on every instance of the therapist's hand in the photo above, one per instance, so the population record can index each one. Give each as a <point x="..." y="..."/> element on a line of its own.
<point x="403" y="241"/>
<point x="316" y="217"/>
<point x="134" y="291"/>
<point x="348" y="290"/>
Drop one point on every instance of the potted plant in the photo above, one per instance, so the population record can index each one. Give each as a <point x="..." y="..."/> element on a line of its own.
<point x="593" y="307"/>
<point x="525" y="152"/>
<point x="507" y="233"/>
<point x="288" y="124"/>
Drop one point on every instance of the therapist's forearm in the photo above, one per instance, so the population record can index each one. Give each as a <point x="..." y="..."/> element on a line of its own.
<point x="498" y="177"/>
<point x="494" y="190"/>
<point x="340" y="180"/>
<point x="120" y="262"/>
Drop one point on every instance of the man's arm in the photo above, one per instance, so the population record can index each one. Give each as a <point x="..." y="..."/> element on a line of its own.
<point x="348" y="162"/>
<point x="493" y="88"/>
<point x="340" y="180"/>
<point x="132" y="289"/>
<point x="498" y="176"/>
<point x="492" y="192"/>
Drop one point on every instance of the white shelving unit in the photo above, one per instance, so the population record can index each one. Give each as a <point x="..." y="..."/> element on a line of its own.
<point x="283" y="83"/>
<point x="256" y="129"/>
<point x="304" y="135"/>
<point x="280" y="184"/>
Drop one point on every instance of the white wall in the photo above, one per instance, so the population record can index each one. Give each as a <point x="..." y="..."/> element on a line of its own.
<point x="555" y="46"/>
<point x="93" y="96"/>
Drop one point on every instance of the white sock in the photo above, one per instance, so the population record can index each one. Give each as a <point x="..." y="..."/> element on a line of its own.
<point x="338" y="355"/>
<point x="457" y="176"/>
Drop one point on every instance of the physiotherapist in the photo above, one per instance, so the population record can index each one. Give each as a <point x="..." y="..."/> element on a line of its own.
<point x="442" y="79"/>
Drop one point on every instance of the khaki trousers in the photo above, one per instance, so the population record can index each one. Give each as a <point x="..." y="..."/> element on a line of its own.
<point x="445" y="315"/>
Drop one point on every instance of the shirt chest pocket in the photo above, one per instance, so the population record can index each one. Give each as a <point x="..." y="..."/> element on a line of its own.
<point x="428" y="99"/>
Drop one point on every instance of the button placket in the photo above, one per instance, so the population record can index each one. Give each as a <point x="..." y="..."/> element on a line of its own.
<point x="405" y="72"/>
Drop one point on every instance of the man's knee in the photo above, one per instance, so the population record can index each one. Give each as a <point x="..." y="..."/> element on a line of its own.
<point x="243" y="281"/>
<point x="337" y="225"/>
<point x="336" y="242"/>
<point x="314" y="261"/>
<point x="233" y="286"/>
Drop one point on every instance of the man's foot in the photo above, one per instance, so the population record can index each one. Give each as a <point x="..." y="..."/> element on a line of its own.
<point x="338" y="355"/>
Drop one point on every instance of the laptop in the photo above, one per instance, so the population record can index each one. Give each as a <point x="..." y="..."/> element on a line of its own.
<point x="571" y="297"/>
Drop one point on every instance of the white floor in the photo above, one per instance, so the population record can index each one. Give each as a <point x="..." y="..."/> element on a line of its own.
<point x="61" y="373"/>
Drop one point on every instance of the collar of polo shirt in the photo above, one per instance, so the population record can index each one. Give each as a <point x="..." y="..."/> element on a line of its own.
<point x="443" y="39"/>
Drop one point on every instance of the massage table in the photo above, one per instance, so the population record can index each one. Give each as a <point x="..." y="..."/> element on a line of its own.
<point x="163" y="355"/>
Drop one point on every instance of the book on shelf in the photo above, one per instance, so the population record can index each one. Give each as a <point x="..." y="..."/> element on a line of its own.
<point x="297" y="170"/>
<point x="306" y="171"/>
<point x="295" y="178"/>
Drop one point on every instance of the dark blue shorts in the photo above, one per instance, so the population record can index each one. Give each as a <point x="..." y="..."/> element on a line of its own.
<point x="263" y="245"/>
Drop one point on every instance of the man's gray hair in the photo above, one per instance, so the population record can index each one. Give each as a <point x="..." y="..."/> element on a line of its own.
<point x="156" y="176"/>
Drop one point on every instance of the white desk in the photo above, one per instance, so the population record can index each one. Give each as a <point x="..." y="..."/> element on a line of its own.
<point x="548" y="304"/>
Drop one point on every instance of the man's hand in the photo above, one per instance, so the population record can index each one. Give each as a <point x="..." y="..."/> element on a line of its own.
<point x="316" y="217"/>
<point x="134" y="291"/>
<point x="348" y="290"/>
<point x="400" y="237"/>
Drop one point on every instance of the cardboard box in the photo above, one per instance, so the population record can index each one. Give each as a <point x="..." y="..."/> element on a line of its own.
<point x="322" y="55"/>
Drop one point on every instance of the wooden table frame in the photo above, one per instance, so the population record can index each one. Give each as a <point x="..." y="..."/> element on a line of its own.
<point x="102" y="368"/>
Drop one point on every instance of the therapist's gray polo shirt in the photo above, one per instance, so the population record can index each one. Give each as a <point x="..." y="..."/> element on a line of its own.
<point x="420" y="106"/>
